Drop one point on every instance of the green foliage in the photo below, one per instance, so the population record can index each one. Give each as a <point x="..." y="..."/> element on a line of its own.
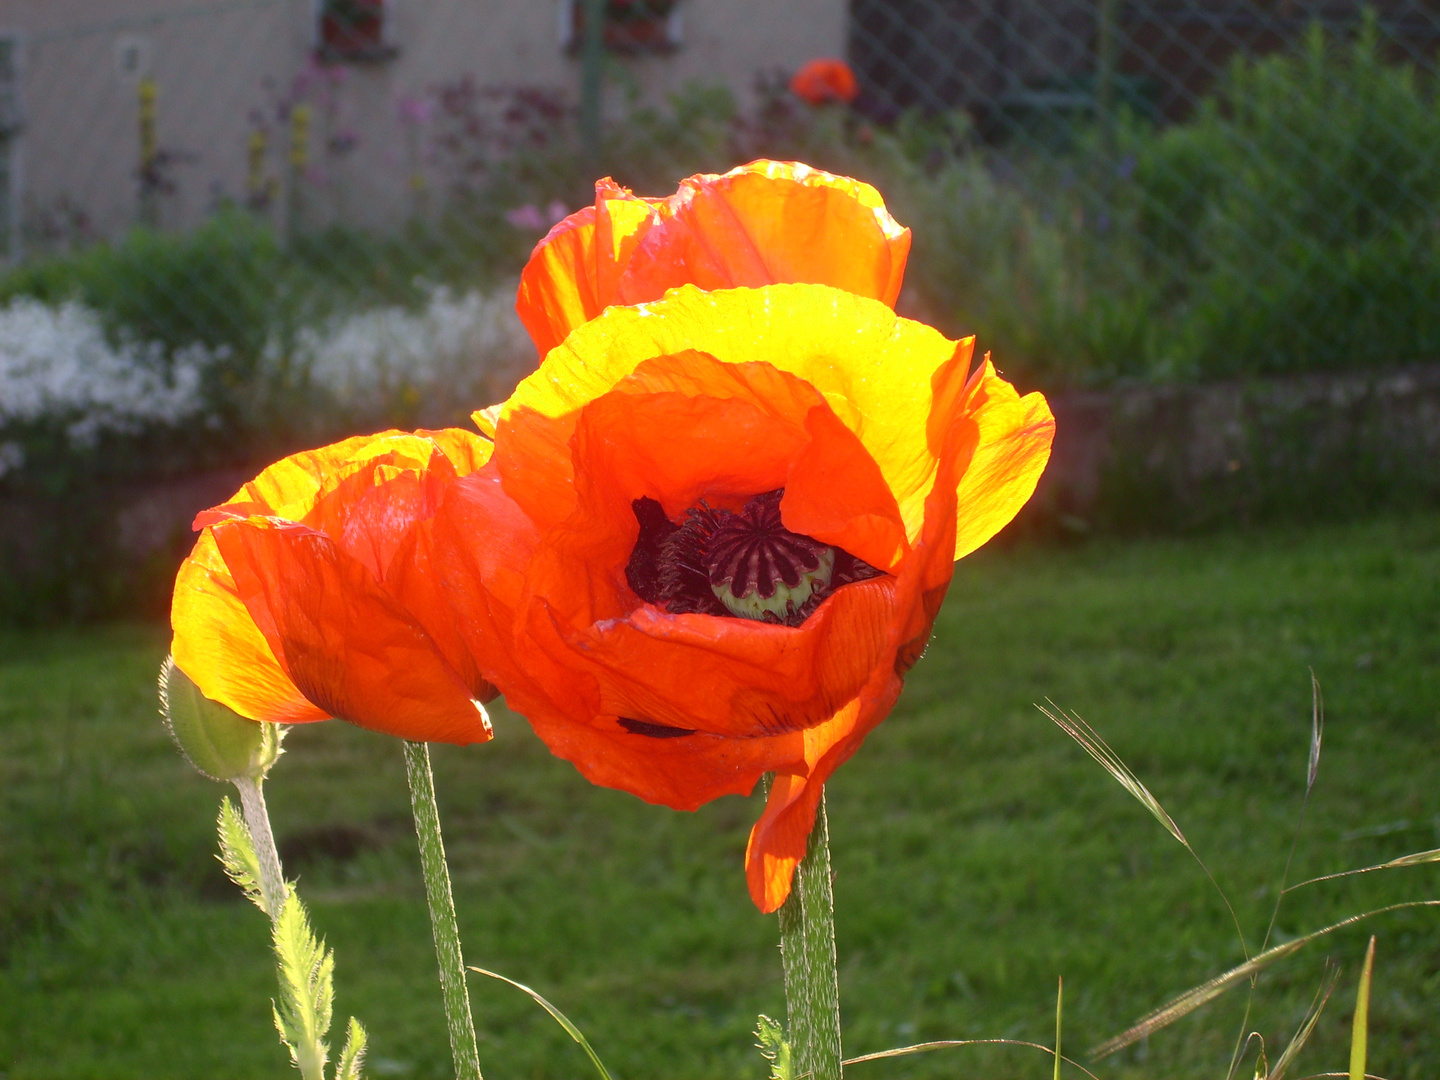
<point x="1287" y="226"/>
<point x="1035" y="267"/>
<point x="230" y="288"/>
<point x="1294" y="214"/>
<point x="306" y="970"/>
<point x="1360" y="1024"/>
<point x="1059" y="1024"/>
<point x="219" y="284"/>
<point x="1306" y="1029"/>
<point x="770" y="1039"/>
<point x="237" y="854"/>
<point x="352" y="1056"/>
<point x="304" y="966"/>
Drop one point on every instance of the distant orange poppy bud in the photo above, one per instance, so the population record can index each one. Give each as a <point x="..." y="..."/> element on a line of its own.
<point x="765" y="223"/>
<point x="716" y="531"/>
<point x="308" y="594"/>
<point x="825" y="80"/>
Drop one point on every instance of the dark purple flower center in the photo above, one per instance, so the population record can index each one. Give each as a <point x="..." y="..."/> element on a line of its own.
<point x="746" y="565"/>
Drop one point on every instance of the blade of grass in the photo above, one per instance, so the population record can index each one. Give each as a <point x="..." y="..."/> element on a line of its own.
<point x="1059" y="1011"/>
<point x="1312" y="770"/>
<point x="1097" y="748"/>
<point x="1360" y="1026"/>
<point x="1307" y="1026"/>
<point x="1317" y="730"/>
<point x="1192" y="999"/>
<point x="1420" y="858"/>
<point x="942" y="1044"/>
<point x="559" y="1017"/>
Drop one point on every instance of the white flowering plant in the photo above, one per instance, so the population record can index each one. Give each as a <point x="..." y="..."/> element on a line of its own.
<point x="92" y="411"/>
<point x="59" y="369"/>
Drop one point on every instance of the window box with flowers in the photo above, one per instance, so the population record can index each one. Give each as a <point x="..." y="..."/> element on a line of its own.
<point x="353" y="30"/>
<point x="631" y="26"/>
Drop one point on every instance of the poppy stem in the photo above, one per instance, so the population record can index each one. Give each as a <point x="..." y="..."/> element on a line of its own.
<point x="442" y="911"/>
<point x="807" y="948"/>
<point x="257" y="820"/>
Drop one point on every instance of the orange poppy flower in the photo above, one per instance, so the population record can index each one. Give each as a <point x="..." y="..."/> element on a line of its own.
<point x="725" y="524"/>
<point x="764" y="223"/>
<point x="825" y="80"/>
<point x="309" y="596"/>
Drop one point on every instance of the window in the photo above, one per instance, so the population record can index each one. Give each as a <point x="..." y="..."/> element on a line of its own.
<point x="631" y="26"/>
<point x="355" y="30"/>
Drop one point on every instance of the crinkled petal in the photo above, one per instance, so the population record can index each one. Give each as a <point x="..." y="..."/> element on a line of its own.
<point x="836" y="494"/>
<point x="768" y="223"/>
<point x="872" y="367"/>
<point x="763" y="223"/>
<point x="414" y="581"/>
<point x="1007" y="447"/>
<point x="885" y="446"/>
<point x="292" y="487"/>
<point x="572" y="274"/>
<point x="345" y="642"/>
<point x="217" y="644"/>
<point x="778" y="840"/>
<point x="480" y="546"/>
<point x="466" y="450"/>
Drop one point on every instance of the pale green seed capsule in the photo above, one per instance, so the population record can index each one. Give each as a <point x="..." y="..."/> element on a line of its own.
<point x="785" y="601"/>
<point x="218" y="741"/>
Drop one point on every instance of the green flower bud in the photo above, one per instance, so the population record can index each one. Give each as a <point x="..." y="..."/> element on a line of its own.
<point x="218" y="741"/>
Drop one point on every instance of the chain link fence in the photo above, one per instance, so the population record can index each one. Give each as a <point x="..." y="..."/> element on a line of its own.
<point x="236" y="227"/>
<point x="1189" y="188"/>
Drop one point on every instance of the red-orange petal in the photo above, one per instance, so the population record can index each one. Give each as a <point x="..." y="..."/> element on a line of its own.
<point x="836" y="494"/>
<point x="218" y="646"/>
<point x="572" y="273"/>
<point x="777" y="842"/>
<point x="345" y="643"/>
<point x="294" y="486"/>
<point x="762" y="223"/>
<point x="870" y="424"/>
<point x="720" y="676"/>
<point x="768" y="223"/>
<point x="414" y="581"/>
<point x="480" y="544"/>
<point x="1006" y="448"/>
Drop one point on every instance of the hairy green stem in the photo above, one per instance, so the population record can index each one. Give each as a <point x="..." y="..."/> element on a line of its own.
<point x="807" y="947"/>
<point x="442" y="912"/>
<point x="257" y="820"/>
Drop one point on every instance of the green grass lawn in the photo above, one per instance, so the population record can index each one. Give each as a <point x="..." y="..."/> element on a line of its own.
<point x="979" y="853"/>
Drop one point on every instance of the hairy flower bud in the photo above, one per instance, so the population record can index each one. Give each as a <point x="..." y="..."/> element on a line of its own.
<point x="218" y="741"/>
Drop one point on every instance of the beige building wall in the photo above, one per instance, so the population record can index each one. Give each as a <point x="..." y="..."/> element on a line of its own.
<point x="218" y="64"/>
